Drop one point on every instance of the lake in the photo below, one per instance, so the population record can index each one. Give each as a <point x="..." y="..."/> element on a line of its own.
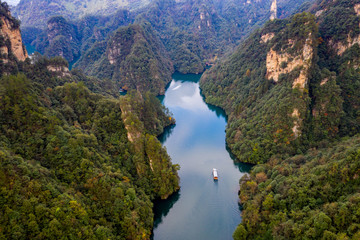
<point x="203" y="208"/>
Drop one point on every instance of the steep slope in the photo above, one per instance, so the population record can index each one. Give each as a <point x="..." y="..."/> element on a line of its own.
<point x="198" y="32"/>
<point x="291" y="93"/>
<point x="69" y="167"/>
<point x="35" y="13"/>
<point x="12" y="49"/>
<point x="264" y="88"/>
<point x="59" y="39"/>
<point x="319" y="69"/>
<point x="70" y="39"/>
<point x="134" y="57"/>
<point x="195" y="33"/>
<point x="339" y="52"/>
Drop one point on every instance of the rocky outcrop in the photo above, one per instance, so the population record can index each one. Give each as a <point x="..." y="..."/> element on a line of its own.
<point x="267" y="37"/>
<point x="12" y="39"/>
<point x="297" y="123"/>
<point x="60" y="71"/>
<point x="151" y="160"/>
<point x="341" y="47"/>
<point x="282" y="63"/>
<point x="357" y="9"/>
<point x="273" y="10"/>
<point x="133" y="57"/>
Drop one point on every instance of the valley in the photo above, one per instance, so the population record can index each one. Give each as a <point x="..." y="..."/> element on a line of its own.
<point x="111" y="127"/>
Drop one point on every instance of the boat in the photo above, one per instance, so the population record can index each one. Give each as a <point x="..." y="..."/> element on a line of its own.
<point x="215" y="174"/>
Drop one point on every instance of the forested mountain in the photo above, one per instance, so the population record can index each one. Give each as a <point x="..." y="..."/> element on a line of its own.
<point x="291" y="93"/>
<point x="194" y="33"/>
<point x="134" y="57"/>
<point x="291" y="85"/>
<point x="35" y="13"/>
<point x="73" y="163"/>
<point x="311" y="196"/>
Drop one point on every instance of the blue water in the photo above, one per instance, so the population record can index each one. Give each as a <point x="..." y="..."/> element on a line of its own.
<point x="203" y="209"/>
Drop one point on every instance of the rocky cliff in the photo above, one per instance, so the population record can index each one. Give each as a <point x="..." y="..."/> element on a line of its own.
<point x="11" y="46"/>
<point x="282" y="62"/>
<point x="288" y="87"/>
<point x="302" y="194"/>
<point x="60" y="38"/>
<point x="152" y="161"/>
<point x="194" y="33"/>
<point x="264" y="88"/>
<point x="134" y="57"/>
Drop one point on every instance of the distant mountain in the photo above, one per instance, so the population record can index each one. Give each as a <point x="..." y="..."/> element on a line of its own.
<point x="194" y="33"/>
<point x="35" y="13"/>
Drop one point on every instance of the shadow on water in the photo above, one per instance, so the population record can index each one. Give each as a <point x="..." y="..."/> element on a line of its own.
<point x="167" y="132"/>
<point x="162" y="208"/>
<point x="243" y="167"/>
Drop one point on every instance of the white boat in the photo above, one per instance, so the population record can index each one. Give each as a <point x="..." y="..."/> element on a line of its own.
<point x="215" y="174"/>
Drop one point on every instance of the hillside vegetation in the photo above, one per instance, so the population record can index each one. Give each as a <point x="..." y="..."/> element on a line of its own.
<point x="312" y="196"/>
<point x="193" y="33"/>
<point x="290" y="91"/>
<point x="134" y="57"/>
<point x="267" y="109"/>
<point x="69" y="167"/>
<point x="290" y="86"/>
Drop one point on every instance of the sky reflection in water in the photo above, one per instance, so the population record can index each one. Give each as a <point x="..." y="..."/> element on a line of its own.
<point x="203" y="209"/>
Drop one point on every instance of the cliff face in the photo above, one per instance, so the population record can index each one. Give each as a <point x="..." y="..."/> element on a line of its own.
<point x="273" y="10"/>
<point x="152" y="161"/>
<point x="11" y="45"/>
<point x="288" y="87"/>
<point x="283" y="63"/>
<point x="134" y="57"/>
<point x="60" y="38"/>
<point x="264" y="88"/>
<point x="14" y="36"/>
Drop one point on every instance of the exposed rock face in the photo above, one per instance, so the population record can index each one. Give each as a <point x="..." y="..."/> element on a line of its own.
<point x="267" y="37"/>
<point x="12" y="34"/>
<point x="135" y="58"/>
<point x="341" y="47"/>
<point x="61" y="71"/>
<point x="283" y="63"/>
<point x="318" y="13"/>
<point x="273" y="10"/>
<point x="357" y="9"/>
<point x="297" y="123"/>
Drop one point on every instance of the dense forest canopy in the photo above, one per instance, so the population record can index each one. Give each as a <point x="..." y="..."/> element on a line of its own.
<point x="79" y="161"/>
<point x="193" y="33"/>
<point x="290" y="93"/>
<point x="68" y="168"/>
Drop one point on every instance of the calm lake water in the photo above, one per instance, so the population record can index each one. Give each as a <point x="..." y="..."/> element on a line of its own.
<point x="202" y="209"/>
